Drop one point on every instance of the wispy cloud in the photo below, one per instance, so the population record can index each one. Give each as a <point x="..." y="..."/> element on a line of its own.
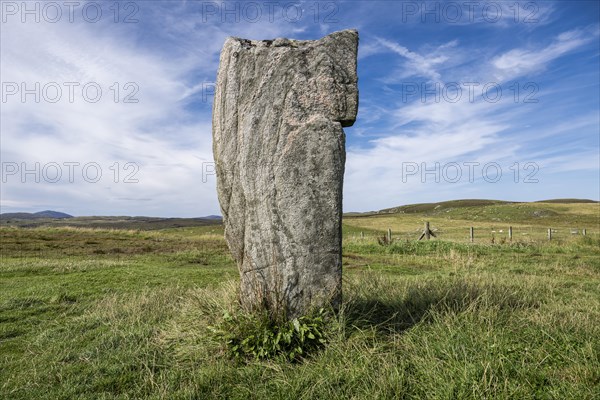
<point x="519" y="62"/>
<point x="417" y="64"/>
<point x="429" y="132"/>
<point x="172" y="54"/>
<point x="160" y="133"/>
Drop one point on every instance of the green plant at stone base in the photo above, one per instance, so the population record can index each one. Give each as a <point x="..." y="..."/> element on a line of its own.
<point x="255" y="335"/>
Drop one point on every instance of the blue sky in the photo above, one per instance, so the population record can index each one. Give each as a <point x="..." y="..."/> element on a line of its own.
<point x="455" y="98"/>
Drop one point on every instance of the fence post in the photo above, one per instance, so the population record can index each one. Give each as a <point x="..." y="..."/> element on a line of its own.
<point x="389" y="235"/>
<point x="549" y="233"/>
<point x="427" y="233"/>
<point x="472" y="234"/>
<point x="510" y="233"/>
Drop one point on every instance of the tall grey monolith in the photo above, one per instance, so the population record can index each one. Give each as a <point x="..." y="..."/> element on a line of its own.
<point x="279" y="149"/>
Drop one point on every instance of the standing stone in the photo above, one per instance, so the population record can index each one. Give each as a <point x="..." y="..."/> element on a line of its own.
<point x="279" y="149"/>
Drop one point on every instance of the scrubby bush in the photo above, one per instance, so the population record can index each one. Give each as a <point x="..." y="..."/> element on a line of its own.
<point x="258" y="336"/>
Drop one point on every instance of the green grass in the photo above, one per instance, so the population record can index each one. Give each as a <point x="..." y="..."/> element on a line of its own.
<point x="125" y="314"/>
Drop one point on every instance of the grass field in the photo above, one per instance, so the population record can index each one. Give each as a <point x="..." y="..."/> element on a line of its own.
<point x="125" y="314"/>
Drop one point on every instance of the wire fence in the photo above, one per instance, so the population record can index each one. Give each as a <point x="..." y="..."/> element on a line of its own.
<point x="473" y="234"/>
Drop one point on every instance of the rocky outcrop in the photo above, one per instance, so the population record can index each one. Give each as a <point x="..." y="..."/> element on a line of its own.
<point x="278" y="143"/>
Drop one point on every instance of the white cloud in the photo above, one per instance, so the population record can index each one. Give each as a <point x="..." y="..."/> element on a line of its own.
<point x="417" y="64"/>
<point x="168" y="142"/>
<point x="468" y="130"/>
<point x="520" y="62"/>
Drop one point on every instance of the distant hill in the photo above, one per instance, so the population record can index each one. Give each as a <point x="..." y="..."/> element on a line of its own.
<point x="452" y="204"/>
<point x="426" y="207"/>
<point x="37" y="215"/>
<point x="51" y="214"/>
<point x="213" y="217"/>
<point x="566" y="201"/>
<point x="26" y="220"/>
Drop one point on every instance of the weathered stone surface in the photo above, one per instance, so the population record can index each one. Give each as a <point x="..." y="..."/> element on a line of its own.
<point x="278" y="114"/>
